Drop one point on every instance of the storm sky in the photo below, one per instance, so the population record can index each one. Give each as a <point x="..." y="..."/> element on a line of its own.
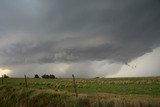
<point x="88" y="38"/>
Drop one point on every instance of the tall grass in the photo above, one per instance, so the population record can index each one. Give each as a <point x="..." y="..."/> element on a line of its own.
<point x="24" y="97"/>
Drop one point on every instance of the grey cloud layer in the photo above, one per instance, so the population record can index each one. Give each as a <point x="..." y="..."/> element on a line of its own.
<point x="70" y="31"/>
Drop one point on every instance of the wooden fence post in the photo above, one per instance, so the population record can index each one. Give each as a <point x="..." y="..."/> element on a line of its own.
<point x="2" y="79"/>
<point x="25" y="81"/>
<point x="74" y="85"/>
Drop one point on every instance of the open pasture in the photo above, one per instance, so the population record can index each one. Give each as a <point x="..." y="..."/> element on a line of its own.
<point x="93" y="92"/>
<point x="149" y="86"/>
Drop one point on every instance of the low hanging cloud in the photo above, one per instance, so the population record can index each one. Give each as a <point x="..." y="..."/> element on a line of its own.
<point x="76" y="33"/>
<point x="146" y="65"/>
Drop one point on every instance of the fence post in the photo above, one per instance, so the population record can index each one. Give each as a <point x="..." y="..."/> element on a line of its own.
<point x="25" y="81"/>
<point x="74" y="85"/>
<point x="2" y="79"/>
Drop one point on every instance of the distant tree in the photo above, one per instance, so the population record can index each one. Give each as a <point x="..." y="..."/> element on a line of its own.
<point x="5" y="76"/>
<point x="36" y="76"/>
<point x="52" y="77"/>
<point x="45" y="76"/>
<point x="48" y="76"/>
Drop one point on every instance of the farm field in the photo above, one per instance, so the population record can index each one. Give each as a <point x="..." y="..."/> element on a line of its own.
<point x="125" y="86"/>
<point x="135" y="91"/>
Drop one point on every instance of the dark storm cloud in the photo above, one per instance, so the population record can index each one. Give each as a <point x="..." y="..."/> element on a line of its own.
<point x="61" y="31"/>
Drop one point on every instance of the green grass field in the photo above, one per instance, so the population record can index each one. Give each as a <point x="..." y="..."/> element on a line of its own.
<point x="131" y="91"/>
<point x="124" y="86"/>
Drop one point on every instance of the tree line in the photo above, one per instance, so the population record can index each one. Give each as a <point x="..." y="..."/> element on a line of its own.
<point x="45" y="76"/>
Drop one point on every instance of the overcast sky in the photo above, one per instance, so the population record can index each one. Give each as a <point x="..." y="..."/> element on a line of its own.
<point x="88" y="38"/>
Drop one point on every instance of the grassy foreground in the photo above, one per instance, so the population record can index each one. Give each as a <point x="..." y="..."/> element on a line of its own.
<point x="21" y="97"/>
<point x="117" y="92"/>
